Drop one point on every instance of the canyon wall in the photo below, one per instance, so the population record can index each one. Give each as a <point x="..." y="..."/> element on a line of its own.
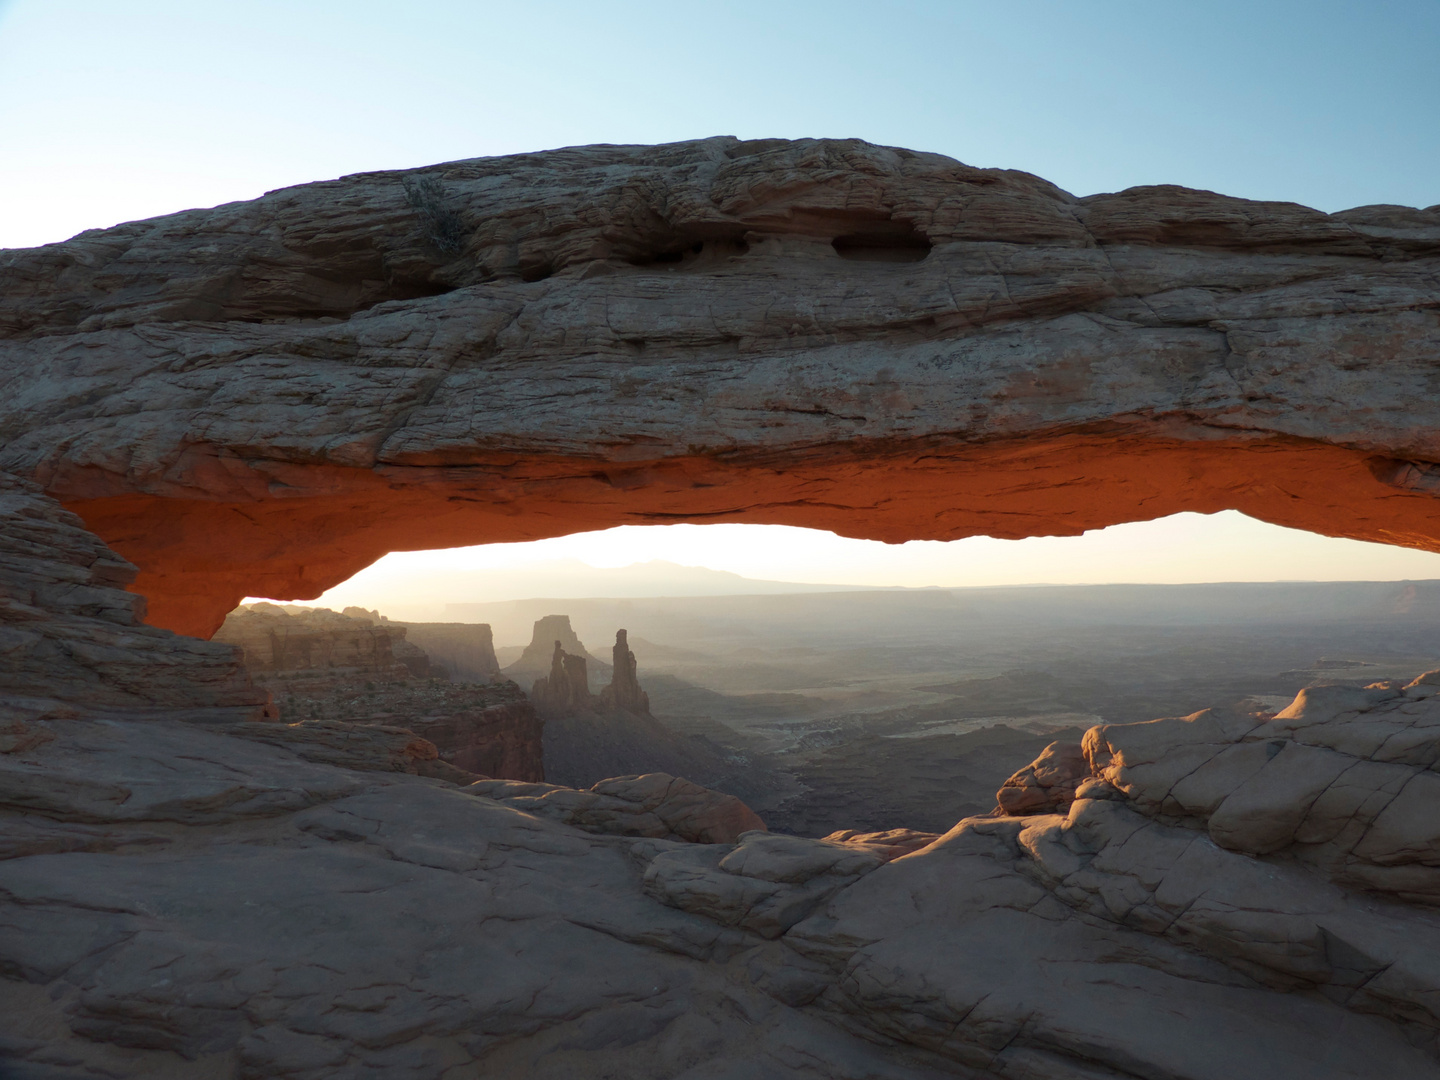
<point x="320" y="642"/>
<point x="356" y="667"/>
<point x="264" y="397"/>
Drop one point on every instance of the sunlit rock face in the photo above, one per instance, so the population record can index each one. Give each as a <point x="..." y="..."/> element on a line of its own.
<point x="262" y="398"/>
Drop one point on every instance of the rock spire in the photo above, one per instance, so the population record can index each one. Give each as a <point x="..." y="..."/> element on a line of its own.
<point x="624" y="693"/>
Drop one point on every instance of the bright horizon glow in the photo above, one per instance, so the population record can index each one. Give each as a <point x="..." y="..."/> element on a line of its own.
<point x="1184" y="548"/>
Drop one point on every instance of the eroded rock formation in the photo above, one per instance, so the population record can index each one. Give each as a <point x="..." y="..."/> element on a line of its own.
<point x="71" y="638"/>
<point x="320" y="643"/>
<point x="538" y="659"/>
<point x="356" y="667"/>
<point x="465" y="651"/>
<point x="624" y="693"/>
<point x="566" y="690"/>
<point x="262" y="398"/>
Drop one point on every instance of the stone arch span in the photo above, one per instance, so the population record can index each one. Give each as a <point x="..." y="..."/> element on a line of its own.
<point x="264" y="397"/>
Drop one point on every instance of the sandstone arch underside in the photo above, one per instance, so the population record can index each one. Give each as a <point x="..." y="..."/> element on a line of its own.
<point x="264" y="397"/>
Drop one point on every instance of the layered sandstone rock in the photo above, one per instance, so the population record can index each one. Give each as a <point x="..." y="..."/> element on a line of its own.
<point x="71" y="638"/>
<point x="1346" y="780"/>
<point x="262" y="398"/>
<point x="318" y="642"/>
<point x="464" y="651"/>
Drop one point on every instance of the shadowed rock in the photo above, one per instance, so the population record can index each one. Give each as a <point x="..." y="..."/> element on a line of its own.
<point x="71" y="638"/>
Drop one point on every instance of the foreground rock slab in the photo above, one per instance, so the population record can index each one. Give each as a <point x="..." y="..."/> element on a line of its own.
<point x="179" y="901"/>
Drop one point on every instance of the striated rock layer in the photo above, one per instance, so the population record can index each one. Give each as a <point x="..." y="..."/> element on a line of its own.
<point x="300" y="642"/>
<point x="262" y="398"/>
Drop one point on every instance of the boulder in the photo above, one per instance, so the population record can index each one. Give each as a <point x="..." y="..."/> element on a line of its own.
<point x="655" y="805"/>
<point x="1048" y="784"/>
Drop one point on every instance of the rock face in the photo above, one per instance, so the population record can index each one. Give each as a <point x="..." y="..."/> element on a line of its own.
<point x="358" y="668"/>
<point x="319" y="642"/>
<point x="71" y="638"/>
<point x="465" y="651"/>
<point x="262" y="398"/>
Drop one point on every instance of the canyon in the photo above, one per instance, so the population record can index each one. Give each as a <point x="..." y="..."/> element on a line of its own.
<point x="262" y="398"/>
<point x="356" y="667"/>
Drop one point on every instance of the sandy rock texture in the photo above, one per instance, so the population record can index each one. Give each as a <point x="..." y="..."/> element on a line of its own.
<point x="263" y="397"/>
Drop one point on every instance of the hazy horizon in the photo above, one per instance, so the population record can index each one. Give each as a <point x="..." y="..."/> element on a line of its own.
<point x="712" y="560"/>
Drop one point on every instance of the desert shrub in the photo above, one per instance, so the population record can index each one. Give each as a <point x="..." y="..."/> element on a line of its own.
<point x="443" y="227"/>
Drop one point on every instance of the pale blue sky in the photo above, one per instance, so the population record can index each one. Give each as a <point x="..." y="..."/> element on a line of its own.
<point x="114" y="110"/>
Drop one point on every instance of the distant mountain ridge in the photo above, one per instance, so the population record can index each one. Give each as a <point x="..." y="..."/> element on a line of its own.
<point x="572" y="579"/>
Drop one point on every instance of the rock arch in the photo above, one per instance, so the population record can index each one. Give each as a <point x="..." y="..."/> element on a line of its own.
<point x="264" y="397"/>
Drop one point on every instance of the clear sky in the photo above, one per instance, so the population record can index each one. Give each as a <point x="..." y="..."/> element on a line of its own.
<point x="111" y="111"/>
